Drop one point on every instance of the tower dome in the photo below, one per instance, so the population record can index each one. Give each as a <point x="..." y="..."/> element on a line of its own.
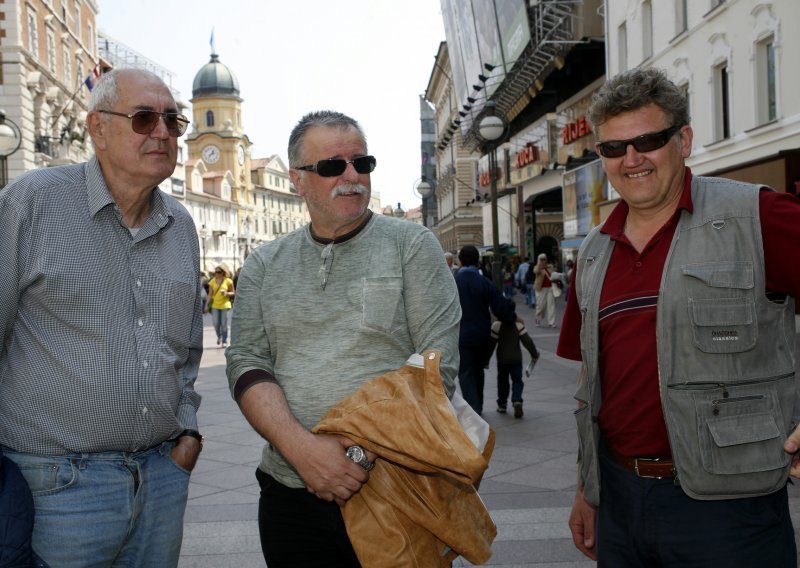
<point x="215" y="79"/>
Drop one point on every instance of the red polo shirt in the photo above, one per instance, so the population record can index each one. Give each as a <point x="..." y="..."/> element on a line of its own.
<point x="631" y="416"/>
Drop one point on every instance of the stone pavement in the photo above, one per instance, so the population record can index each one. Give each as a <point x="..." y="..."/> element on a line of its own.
<point x="528" y="487"/>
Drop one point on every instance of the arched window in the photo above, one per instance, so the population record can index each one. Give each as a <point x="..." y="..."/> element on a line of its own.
<point x="210" y="118"/>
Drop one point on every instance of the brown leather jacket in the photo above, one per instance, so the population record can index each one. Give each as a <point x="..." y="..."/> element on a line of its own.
<point x="420" y="506"/>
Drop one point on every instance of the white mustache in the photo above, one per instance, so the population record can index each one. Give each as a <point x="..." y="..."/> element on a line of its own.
<point x="346" y="188"/>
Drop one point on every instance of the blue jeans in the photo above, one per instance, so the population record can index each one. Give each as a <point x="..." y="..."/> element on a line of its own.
<point x="504" y="371"/>
<point x="651" y="522"/>
<point x="108" y="508"/>
<point x="220" y="319"/>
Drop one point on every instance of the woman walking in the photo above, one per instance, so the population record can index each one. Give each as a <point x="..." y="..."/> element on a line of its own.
<point x="220" y="292"/>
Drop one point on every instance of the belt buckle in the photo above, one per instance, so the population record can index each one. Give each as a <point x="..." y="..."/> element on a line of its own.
<point x="636" y="467"/>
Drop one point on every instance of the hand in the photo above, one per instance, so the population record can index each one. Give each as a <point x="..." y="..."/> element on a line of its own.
<point x="328" y="472"/>
<point x="582" y="525"/>
<point x="186" y="452"/>
<point x="791" y="446"/>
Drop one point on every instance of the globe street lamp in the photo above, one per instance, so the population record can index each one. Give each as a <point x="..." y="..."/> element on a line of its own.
<point x="399" y="213"/>
<point x="10" y="141"/>
<point x="492" y="128"/>
<point x="424" y="188"/>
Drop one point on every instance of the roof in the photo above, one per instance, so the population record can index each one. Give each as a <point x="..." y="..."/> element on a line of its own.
<point x="215" y="79"/>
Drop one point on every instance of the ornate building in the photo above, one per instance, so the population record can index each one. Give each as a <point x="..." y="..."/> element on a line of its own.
<point x="49" y="48"/>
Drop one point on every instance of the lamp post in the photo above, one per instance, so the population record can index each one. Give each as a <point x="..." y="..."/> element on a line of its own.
<point x="10" y="141"/>
<point x="424" y="189"/>
<point x="203" y="234"/>
<point x="492" y="128"/>
<point x="399" y="212"/>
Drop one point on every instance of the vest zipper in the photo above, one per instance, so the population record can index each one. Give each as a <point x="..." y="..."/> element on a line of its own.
<point x="715" y="404"/>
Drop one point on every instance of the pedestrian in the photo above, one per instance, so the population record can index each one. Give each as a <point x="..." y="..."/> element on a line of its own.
<point x="319" y="313"/>
<point x="508" y="281"/>
<point x="520" y="279"/>
<point x="545" y="299"/>
<point x="221" y="291"/>
<point x="448" y="257"/>
<point x="479" y="299"/>
<point x="507" y="336"/>
<point x="97" y="395"/>
<point x="682" y="311"/>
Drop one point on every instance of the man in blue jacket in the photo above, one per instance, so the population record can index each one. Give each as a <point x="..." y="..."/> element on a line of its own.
<point x="478" y="297"/>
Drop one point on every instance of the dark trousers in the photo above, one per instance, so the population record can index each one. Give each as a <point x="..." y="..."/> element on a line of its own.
<point x="298" y="529"/>
<point x="471" y="375"/>
<point x="504" y="372"/>
<point x="651" y="522"/>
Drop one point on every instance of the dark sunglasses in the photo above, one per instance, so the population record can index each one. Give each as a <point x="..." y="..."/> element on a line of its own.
<point x="336" y="166"/>
<point x="644" y="143"/>
<point x="144" y="121"/>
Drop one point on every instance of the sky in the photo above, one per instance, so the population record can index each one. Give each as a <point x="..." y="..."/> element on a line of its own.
<point x="370" y="59"/>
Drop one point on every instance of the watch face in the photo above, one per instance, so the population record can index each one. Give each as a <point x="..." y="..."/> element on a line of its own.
<point x="355" y="453"/>
<point x="211" y="154"/>
<point x="240" y="151"/>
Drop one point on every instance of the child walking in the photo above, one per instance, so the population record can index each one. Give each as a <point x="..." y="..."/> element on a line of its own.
<point x="507" y="337"/>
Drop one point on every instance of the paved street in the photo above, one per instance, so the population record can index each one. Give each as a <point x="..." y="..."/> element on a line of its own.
<point x="528" y="488"/>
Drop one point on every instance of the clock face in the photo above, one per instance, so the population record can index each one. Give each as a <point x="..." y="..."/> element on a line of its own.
<point x="240" y="152"/>
<point x="211" y="154"/>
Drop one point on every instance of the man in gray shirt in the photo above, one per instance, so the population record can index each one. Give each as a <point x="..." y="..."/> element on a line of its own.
<point x="318" y="313"/>
<point x="102" y="335"/>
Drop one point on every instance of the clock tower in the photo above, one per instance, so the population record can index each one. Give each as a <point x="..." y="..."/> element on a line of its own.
<point x="218" y="137"/>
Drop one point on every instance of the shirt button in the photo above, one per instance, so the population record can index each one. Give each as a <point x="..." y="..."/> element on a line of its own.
<point x="638" y="264"/>
<point x="138" y="283"/>
<point x="140" y="322"/>
<point x="145" y="410"/>
<point x="145" y="364"/>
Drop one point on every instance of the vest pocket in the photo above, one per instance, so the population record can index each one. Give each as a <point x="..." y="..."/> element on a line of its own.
<point x="723" y="325"/>
<point x="740" y="429"/>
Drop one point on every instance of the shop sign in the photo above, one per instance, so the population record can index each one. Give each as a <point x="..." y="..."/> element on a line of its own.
<point x="528" y="155"/>
<point x="574" y="130"/>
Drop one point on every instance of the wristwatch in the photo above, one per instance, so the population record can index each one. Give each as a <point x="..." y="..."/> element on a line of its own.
<point x="359" y="456"/>
<point x="194" y="434"/>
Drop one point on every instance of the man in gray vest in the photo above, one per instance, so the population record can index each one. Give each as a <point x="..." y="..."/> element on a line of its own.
<point x="682" y="312"/>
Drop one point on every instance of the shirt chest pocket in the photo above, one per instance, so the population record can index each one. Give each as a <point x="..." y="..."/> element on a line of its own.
<point x="383" y="306"/>
<point x="722" y="309"/>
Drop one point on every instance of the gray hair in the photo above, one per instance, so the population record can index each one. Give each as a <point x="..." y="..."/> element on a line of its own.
<point x="105" y="94"/>
<point x="637" y="88"/>
<point x="318" y="118"/>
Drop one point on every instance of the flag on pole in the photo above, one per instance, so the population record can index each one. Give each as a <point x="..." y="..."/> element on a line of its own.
<point x="93" y="78"/>
<point x="211" y="41"/>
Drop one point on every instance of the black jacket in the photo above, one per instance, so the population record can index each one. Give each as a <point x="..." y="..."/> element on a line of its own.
<point x="478" y="296"/>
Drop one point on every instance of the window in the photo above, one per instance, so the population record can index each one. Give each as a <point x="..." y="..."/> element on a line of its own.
<point x="210" y="118"/>
<point x="51" y="51"/>
<point x="90" y="39"/>
<point x="722" y="114"/>
<point x="647" y="30"/>
<point x="67" y="64"/>
<point x="622" y="47"/>
<point x="33" y="32"/>
<point x="77" y="19"/>
<point x="681" y="20"/>
<point x="766" y="99"/>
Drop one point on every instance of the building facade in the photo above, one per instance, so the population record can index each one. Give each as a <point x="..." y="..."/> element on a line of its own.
<point x="48" y="50"/>
<point x="733" y="59"/>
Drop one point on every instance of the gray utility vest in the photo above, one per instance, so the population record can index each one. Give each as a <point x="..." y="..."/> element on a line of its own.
<point x="726" y="358"/>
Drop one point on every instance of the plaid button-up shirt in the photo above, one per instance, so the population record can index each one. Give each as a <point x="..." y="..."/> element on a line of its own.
<point x="101" y="330"/>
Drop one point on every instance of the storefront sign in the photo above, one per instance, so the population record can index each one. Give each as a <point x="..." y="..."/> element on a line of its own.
<point x="574" y="130"/>
<point x="528" y="155"/>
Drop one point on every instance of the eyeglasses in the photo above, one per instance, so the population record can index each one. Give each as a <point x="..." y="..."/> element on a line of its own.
<point x="644" y="143"/>
<point x="325" y="267"/>
<point x="145" y="121"/>
<point x="336" y="166"/>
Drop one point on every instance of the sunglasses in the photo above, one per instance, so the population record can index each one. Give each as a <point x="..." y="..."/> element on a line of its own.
<point x="145" y="121"/>
<point x="643" y="143"/>
<point x="325" y="267"/>
<point x="336" y="166"/>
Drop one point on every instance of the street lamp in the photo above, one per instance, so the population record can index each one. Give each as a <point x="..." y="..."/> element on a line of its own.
<point x="492" y="128"/>
<point x="399" y="213"/>
<point x="10" y="141"/>
<point x="202" y="232"/>
<point x="424" y="188"/>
